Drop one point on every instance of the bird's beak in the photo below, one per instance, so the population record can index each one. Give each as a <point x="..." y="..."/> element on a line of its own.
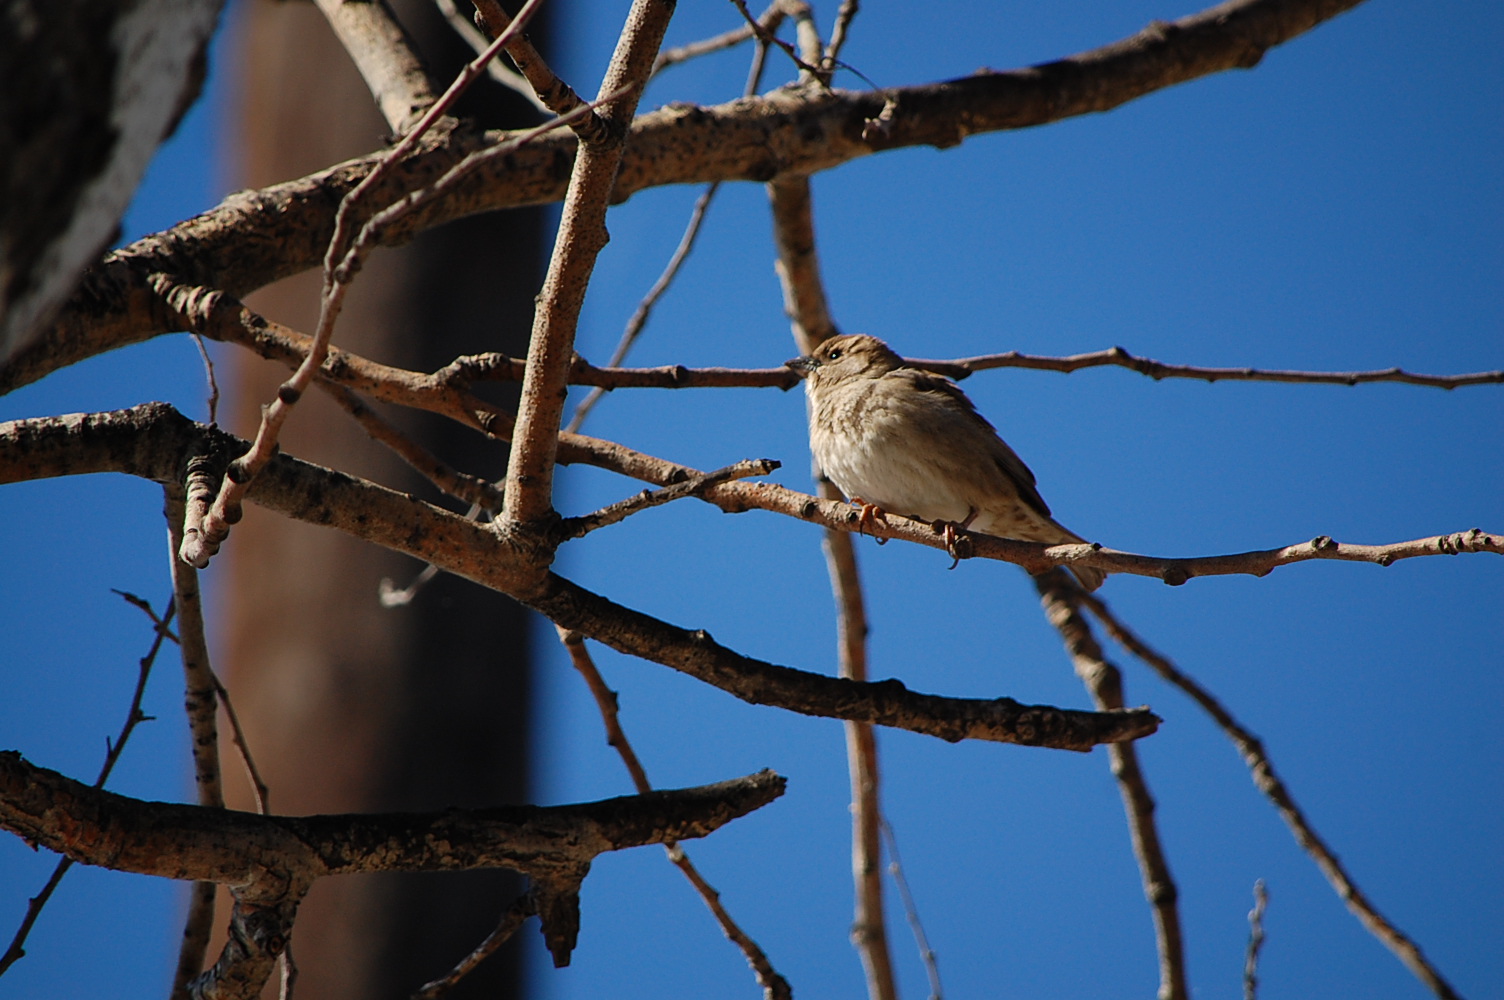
<point x="803" y="365"/>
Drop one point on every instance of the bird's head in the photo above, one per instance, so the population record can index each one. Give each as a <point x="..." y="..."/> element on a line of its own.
<point x="842" y="358"/>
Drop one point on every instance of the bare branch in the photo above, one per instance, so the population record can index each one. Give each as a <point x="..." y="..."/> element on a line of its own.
<point x="499" y="72"/>
<point x="798" y="267"/>
<point x="911" y="913"/>
<point x="385" y="55"/>
<point x="804" y="303"/>
<point x="1251" y="749"/>
<point x="769" y="20"/>
<point x="342" y="260"/>
<point x="478" y="492"/>
<point x="259" y="792"/>
<point x="644" y="308"/>
<point x="155" y="441"/>
<point x="133" y="717"/>
<point x="845" y="14"/>
<point x="576" y="527"/>
<point x="269" y="861"/>
<point x="524" y="907"/>
<point x="1059" y="594"/>
<point x="200" y="704"/>
<point x="765" y="35"/>
<point x="255" y="238"/>
<point x="170" y="840"/>
<point x="553" y="93"/>
<point x="216" y="315"/>
<point x="775" y="987"/>
<point x="1117" y="356"/>
<point x="582" y="235"/>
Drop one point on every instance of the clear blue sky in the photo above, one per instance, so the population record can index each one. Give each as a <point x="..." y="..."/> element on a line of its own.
<point x="1339" y="207"/>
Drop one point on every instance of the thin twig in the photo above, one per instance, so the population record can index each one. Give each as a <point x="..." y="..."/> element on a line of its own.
<point x="1255" y="941"/>
<point x="797" y="265"/>
<point x="461" y="485"/>
<point x="769" y="38"/>
<point x="644" y="308"/>
<point x="259" y="789"/>
<point x="576" y="527"/>
<point x="1060" y="597"/>
<point x="774" y="986"/>
<point x="770" y="20"/>
<point x="523" y="907"/>
<point x="133" y="716"/>
<point x="501" y="367"/>
<point x="554" y="94"/>
<point x="499" y="72"/>
<point x="1268" y="782"/>
<point x="213" y="401"/>
<point x="911" y="913"/>
<point x="1118" y="357"/>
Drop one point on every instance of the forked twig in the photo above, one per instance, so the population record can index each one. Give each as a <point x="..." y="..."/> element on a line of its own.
<point x="1268" y="782"/>
<point x="774" y="986"/>
<point x="133" y="717"/>
<point x="499" y="72"/>
<point x="554" y="94"/>
<point x="576" y="527"/>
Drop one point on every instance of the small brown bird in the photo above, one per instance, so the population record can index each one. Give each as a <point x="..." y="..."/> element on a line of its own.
<point x="909" y="442"/>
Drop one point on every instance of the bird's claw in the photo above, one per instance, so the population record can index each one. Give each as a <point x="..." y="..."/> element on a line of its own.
<point x="956" y="543"/>
<point x="870" y="515"/>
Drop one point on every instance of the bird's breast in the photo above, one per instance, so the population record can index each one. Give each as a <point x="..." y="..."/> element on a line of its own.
<point x="871" y="447"/>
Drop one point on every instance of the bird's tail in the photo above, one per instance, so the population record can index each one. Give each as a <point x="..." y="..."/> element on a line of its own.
<point x="1091" y="578"/>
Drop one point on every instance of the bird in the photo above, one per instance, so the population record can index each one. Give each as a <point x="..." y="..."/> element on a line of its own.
<point x="900" y="440"/>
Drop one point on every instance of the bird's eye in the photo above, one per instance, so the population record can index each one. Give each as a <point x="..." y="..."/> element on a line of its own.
<point x="833" y="353"/>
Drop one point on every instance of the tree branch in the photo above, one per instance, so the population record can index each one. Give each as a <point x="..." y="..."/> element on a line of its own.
<point x="582" y="235"/>
<point x="804" y="303"/>
<point x="201" y="705"/>
<point x="552" y="92"/>
<point x="384" y="54"/>
<point x="1251" y="749"/>
<point x="154" y="441"/>
<point x="16" y="950"/>
<point x="270" y="861"/>
<point x="1118" y="357"/>
<point x="774" y="986"/>
<point x="257" y="237"/>
<point x="1105" y="682"/>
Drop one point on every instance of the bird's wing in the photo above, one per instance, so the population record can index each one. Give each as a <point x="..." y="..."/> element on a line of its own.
<point x="1007" y="460"/>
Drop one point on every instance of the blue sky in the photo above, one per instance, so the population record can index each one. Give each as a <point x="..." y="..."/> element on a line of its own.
<point x="1339" y="207"/>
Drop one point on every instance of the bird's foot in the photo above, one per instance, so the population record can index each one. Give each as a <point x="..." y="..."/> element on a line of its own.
<point x="956" y="543"/>
<point x="869" y="517"/>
